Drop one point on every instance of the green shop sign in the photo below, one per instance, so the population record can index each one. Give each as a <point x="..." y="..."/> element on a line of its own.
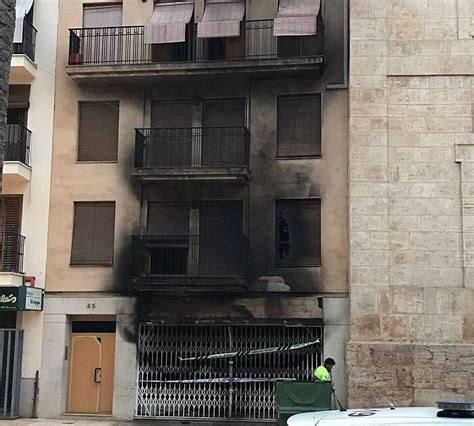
<point x="21" y="299"/>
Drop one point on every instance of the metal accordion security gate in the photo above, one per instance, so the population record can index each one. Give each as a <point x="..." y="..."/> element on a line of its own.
<point x="240" y="387"/>
<point x="11" y="346"/>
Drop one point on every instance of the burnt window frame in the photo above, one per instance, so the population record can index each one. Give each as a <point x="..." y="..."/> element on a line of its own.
<point x="75" y="263"/>
<point x="319" y="156"/>
<point x="275" y="235"/>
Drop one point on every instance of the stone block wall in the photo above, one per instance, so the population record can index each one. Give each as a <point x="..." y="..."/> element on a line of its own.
<point x="411" y="201"/>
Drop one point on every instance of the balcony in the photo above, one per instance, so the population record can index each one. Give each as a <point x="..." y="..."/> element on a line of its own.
<point x="193" y="154"/>
<point x="23" y="68"/>
<point x="11" y="259"/>
<point x="199" y="263"/>
<point x="16" y="166"/>
<point x="120" y="53"/>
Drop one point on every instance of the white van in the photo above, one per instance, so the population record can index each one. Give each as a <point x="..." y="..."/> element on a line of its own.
<point x="447" y="413"/>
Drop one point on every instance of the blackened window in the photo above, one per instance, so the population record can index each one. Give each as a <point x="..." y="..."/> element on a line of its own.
<point x="298" y="232"/>
<point x="98" y="131"/>
<point x="299" y="126"/>
<point x="93" y="234"/>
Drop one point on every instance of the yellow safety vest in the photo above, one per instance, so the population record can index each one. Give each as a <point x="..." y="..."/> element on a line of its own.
<point x="322" y="373"/>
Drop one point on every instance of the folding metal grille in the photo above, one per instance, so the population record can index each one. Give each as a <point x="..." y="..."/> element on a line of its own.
<point x="11" y="345"/>
<point x="240" y="387"/>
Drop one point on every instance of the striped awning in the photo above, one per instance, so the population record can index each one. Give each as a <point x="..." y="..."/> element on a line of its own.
<point x="297" y="18"/>
<point x="22" y="8"/>
<point x="168" y="23"/>
<point x="221" y="19"/>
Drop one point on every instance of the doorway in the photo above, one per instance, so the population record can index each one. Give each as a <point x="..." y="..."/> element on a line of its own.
<point x="92" y="364"/>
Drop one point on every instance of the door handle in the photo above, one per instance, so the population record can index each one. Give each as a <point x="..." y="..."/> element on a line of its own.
<point x="97" y="375"/>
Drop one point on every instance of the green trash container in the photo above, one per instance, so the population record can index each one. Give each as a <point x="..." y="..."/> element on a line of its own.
<point x="293" y="397"/>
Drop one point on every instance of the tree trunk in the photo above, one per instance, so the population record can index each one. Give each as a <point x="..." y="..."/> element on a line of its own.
<point x="7" y="28"/>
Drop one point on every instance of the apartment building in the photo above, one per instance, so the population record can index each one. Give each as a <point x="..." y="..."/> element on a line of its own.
<point x="24" y="203"/>
<point x="411" y="163"/>
<point x="198" y="205"/>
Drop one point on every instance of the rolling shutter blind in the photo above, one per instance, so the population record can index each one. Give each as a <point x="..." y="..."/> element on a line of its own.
<point x="168" y="23"/>
<point x="224" y="113"/>
<point x="168" y="219"/>
<point x="102" y="16"/>
<point x="297" y="18"/>
<point x="222" y="18"/>
<point x="298" y="232"/>
<point x="93" y="234"/>
<point x="10" y="249"/>
<point x="221" y="218"/>
<point x="98" y="131"/>
<point x="10" y="213"/>
<point x="299" y="126"/>
<point x="172" y="115"/>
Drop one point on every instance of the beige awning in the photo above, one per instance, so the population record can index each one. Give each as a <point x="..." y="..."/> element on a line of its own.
<point x="168" y="23"/>
<point x="221" y="19"/>
<point x="297" y="18"/>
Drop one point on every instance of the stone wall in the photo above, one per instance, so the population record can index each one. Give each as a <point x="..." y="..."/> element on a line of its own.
<point x="411" y="205"/>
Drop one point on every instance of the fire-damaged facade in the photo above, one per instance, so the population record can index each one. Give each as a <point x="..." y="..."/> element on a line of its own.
<point x="198" y="206"/>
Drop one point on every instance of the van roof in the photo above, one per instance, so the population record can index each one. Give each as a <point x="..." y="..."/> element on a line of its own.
<point x="372" y="417"/>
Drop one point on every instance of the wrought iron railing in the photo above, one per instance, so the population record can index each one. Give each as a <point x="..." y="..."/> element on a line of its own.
<point x="12" y="251"/>
<point x="17" y="144"/>
<point x="126" y="46"/>
<point x="190" y="256"/>
<point x="28" y="45"/>
<point x="192" y="147"/>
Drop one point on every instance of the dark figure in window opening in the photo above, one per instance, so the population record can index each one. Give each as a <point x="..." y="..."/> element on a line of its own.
<point x="283" y="238"/>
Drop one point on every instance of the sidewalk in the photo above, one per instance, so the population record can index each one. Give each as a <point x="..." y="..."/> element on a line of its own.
<point x="96" y="422"/>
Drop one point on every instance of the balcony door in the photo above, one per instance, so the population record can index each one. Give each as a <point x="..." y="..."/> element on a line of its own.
<point x="223" y="132"/>
<point x="169" y="245"/>
<point x="101" y="42"/>
<point x="172" y="137"/>
<point x="11" y="249"/>
<point x="221" y="244"/>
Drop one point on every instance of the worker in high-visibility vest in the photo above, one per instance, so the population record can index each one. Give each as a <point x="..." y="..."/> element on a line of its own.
<point x="323" y="372"/>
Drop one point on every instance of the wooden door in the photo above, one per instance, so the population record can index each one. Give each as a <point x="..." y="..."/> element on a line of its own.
<point x="91" y="378"/>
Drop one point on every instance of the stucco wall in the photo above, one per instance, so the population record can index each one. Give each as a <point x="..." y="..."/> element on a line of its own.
<point x="411" y="96"/>
<point x="271" y="178"/>
<point x="36" y="192"/>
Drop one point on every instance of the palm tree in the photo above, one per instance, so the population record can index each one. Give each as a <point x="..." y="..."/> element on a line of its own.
<point x="7" y="28"/>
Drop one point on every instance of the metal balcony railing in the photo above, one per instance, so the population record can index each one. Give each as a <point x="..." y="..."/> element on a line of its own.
<point x="28" y="45"/>
<point x="192" y="147"/>
<point x="126" y="46"/>
<point x="11" y="252"/>
<point x="17" y="144"/>
<point x="190" y="256"/>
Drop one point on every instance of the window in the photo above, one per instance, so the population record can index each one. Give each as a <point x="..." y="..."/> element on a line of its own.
<point x="99" y="16"/>
<point x="93" y="233"/>
<point x="298" y="233"/>
<point x="98" y="131"/>
<point x="299" y="126"/>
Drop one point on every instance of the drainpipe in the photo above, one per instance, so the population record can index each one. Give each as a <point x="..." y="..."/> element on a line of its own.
<point x="34" y="410"/>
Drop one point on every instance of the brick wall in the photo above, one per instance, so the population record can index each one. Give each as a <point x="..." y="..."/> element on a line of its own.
<point x="411" y="200"/>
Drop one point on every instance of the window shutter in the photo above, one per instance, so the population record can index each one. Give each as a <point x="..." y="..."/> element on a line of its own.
<point x="224" y="113"/>
<point x="168" y="219"/>
<point x="93" y="234"/>
<point x="298" y="232"/>
<point x="98" y="131"/>
<point x="172" y="115"/>
<point x="102" y="16"/>
<point x="221" y="218"/>
<point x="299" y="126"/>
<point x="10" y="213"/>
